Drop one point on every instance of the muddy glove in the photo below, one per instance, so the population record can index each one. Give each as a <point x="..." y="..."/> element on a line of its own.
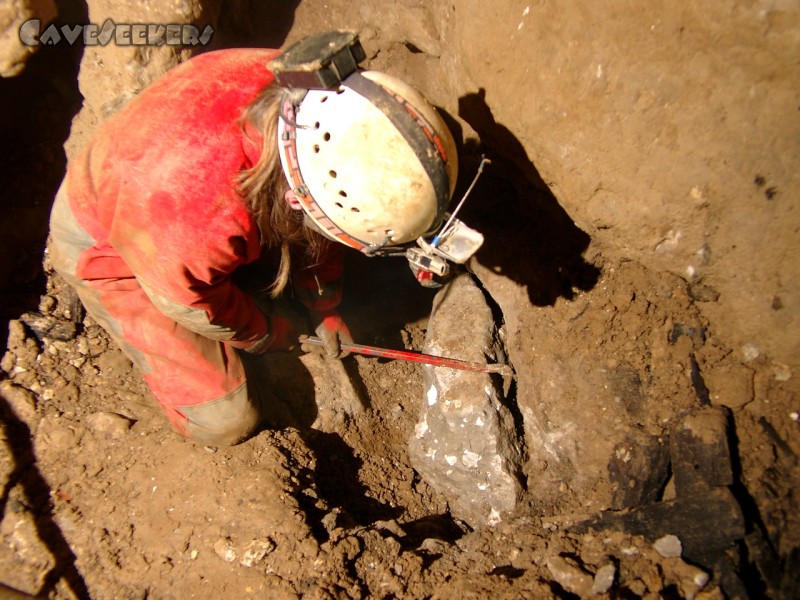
<point x="282" y="335"/>
<point x="332" y="330"/>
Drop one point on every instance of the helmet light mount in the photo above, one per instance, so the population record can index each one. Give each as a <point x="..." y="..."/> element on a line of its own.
<point x="318" y="62"/>
<point x="323" y="62"/>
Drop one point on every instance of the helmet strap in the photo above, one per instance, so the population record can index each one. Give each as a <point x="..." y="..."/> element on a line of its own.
<point x="418" y="133"/>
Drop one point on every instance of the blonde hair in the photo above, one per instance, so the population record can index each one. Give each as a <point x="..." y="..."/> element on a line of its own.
<point x="263" y="187"/>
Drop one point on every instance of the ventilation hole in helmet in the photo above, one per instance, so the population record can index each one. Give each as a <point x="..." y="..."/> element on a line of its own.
<point x="326" y="136"/>
<point x="323" y="99"/>
<point x="316" y="148"/>
<point x="332" y="173"/>
<point x="340" y="90"/>
<point x="316" y="125"/>
<point x="339" y="204"/>
<point x="343" y="194"/>
<point x="354" y="209"/>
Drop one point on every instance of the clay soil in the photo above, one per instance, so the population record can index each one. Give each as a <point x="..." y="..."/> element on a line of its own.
<point x="99" y="498"/>
<point x="103" y="500"/>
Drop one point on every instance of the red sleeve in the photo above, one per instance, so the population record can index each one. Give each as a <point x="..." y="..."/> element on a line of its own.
<point x="185" y="266"/>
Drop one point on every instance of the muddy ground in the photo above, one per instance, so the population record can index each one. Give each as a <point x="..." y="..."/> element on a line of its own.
<point x="100" y="499"/>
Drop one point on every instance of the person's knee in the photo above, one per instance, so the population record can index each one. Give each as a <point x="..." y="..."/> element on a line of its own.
<point x="223" y="422"/>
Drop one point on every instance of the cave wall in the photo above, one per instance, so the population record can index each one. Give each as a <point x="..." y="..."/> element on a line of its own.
<point x="13" y="53"/>
<point x="669" y="133"/>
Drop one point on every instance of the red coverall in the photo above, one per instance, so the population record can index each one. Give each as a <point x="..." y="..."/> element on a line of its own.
<point x="149" y="228"/>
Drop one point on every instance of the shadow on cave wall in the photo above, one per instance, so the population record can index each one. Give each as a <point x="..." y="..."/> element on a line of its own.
<point x="37" y="107"/>
<point x="529" y="238"/>
<point x="253" y="23"/>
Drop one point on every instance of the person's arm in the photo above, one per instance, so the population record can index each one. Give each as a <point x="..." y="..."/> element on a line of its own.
<point x="320" y="289"/>
<point x="185" y="267"/>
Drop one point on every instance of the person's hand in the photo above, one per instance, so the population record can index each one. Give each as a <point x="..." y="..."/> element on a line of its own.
<point x="333" y="331"/>
<point x="282" y="335"/>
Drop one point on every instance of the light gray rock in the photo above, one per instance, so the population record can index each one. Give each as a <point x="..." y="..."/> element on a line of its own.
<point x="112" y="424"/>
<point x="256" y="551"/>
<point x="604" y="579"/>
<point x="464" y="444"/>
<point x="225" y="549"/>
<point x="569" y="576"/>
<point x="669" y="546"/>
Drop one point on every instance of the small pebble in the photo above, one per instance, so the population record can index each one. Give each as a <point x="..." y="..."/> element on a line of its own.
<point x="604" y="579"/>
<point x="669" y="546"/>
<point x="111" y="423"/>
<point x="256" y="551"/>
<point x="225" y="550"/>
<point x="750" y="352"/>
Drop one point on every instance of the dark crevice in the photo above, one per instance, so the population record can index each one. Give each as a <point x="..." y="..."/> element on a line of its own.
<point x="529" y="237"/>
<point x="506" y="384"/>
<point x="699" y="384"/>
<point x="755" y="573"/>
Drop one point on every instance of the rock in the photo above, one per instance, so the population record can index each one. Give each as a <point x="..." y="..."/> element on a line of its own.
<point x="464" y="444"/>
<point x="20" y="537"/>
<point x="604" y="579"/>
<point x="13" y="53"/>
<point x="225" y="550"/>
<point x="113" y="363"/>
<point x="669" y="546"/>
<point x="110" y="423"/>
<point x="56" y="435"/>
<point x="701" y="457"/>
<point x="730" y="385"/>
<point x="255" y="552"/>
<point x="21" y="402"/>
<point x="750" y="352"/>
<point x="705" y="525"/>
<point x="692" y="580"/>
<point x="569" y="576"/>
<point x="591" y="429"/>
<point x="46" y="327"/>
<point x="434" y="546"/>
<point x="639" y="467"/>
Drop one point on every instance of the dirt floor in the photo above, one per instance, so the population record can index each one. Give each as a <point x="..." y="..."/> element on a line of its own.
<point x="100" y="499"/>
<point x="105" y="501"/>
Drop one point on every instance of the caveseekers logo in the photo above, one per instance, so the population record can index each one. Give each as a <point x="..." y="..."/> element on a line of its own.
<point x="121" y="34"/>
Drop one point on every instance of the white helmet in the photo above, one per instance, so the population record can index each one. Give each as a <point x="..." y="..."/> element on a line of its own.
<point x="371" y="161"/>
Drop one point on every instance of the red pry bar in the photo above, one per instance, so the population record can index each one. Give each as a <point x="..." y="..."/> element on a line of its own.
<point x="428" y="359"/>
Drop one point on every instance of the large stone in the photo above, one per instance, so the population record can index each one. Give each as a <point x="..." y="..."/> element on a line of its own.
<point x="465" y="444"/>
<point x="13" y="53"/>
<point x="112" y="75"/>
